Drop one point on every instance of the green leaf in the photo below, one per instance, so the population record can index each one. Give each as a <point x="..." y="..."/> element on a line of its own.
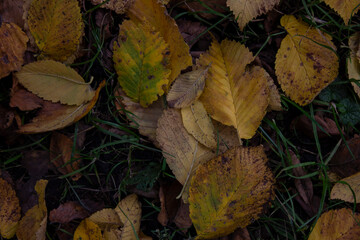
<point x="349" y="112"/>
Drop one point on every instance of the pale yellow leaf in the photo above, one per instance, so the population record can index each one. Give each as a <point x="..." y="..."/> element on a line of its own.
<point x="197" y="122"/>
<point x="306" y="62"/>
<point x="344" y="189"/>
<point x="88" y="230"/>
<point x="106" y="218"/>
<point x="55" y="82"/>
<point x="345" y="8"/>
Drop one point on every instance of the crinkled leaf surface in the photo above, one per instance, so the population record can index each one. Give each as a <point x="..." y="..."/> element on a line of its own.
<point x="9" y="210"/>
<point x="353" y="61"/>
<point x="337" y="224"/>
<point x="341" y="190"/>
<point x="56" y="26"/>
<point x="156" y="14"/>
<point x="12" y="48"/>
<point x="55" y="82"/>
<point x="197" y="122"/>
<point x="246" y="10"/>
<point x="345" y="8"/>
<point x="305" y="63"/>
<point x="87" y="230"/>
<point x="56" y="116"/>
<point x="33" y="225"/>
<point x="233" y="96"/>
<point x="141" y="59"/>
<point x="187" y="88"/>
<point x="230" y="191"/>
<point x="106" y="218"/>
<point x="119" y="6"/>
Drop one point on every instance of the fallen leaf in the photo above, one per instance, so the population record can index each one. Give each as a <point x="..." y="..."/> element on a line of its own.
<point x="33" y="225"/>
<point x="227" y="136"/>
<point x="129" y="212"/>
<point x="55" y="82"/>
<point x="199" y="9"/>
<point x="274" y="95"/>
<point x="336" y="225"/>
<point x="182" y="218"/>
<point x="36" y="162"/>
<point x="12" y="48"/>
<point x="55" y="116"/>
<point x="306" y="62"/>
<point x="197" y="122"/>
<point x="219" y="205"/>
<point x="187" y="88"/>
<point x="88" y="230"/>
<point x="62" y="156"/>
<point x="168" y="193"/>
<point x="22" y="98"/>
<point x="11" y="11"/>
<point x="9" y="210"/>
<point x="106" y="218"/>
<point x="345" y="187"/>
<point x="118" y="6"/>
<point x="353" y="61"/>
<point x="345" y="8"/>
<point x="56" y="26"/>
<point x="156" y="14"/>
<point x="192" y="31"/>
<point x="140" y="58"/>
<point x="246" y="10"/>
<point x="67" y="212"/>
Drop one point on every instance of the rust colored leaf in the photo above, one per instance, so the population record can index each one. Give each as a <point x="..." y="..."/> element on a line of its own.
<point x="67" y="212"/>
<point x="23" y="99"/>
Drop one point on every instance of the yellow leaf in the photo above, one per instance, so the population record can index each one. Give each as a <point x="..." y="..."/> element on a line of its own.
<point x="9" y="210"/>
<point x="353" y="61"/>
<point x="129" y="212"/>
<point x="345" y="8"/>
<point x="12" y="48"/>
<point x="106" y="218"/>
<point x="87" y="230"/>
<point x="246" y="10"/>
<point x="55" y="82"/>
<point x="342" y="191"/>
<point x="55" y="116"/>
<point x="219" y="205"/>
<point x="197" y="122"/>
<point x="304" y="65"/>
<point x="33" y="225"/>
<point x="337" y="225"/>
<point x="119" y="6"/>
<point x="274" y="95"/>
<point x="140" y="57"/>
<point x="156" y="14"/>
<point x="233" y="96"/>
<point x="187" y="88"/>
<point x="56" y="26"/>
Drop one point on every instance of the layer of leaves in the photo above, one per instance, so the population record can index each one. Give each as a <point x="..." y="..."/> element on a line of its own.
<point x="345" y="8"/>
<point x="306" y="62"/>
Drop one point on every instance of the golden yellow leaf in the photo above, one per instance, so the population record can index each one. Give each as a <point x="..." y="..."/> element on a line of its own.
<point x="342" y="191"/>
<point x="246" y="10"/>
<point x="353" y="61"/>
<point x="88" y="230"/>
<point x="230" y="191"/>
<point x="12" y="48"/>
<point x="197" y="122"/>
<point x="187" y="88"/>
<point x="56" y="26"/>
<point x="305" y="63"/>
<point x="55" y="82"/>
<point x="141" y="59"/>
<point x="119" y="6"/>
<point x="55" y="116"/>
<point x="339" y="224"/>
<point x="345" y="8"/>
<point x="129" y="212"/>
<point x="233" y="96"/>
<point x="33" y="225"/>
<point x="9" y="210"/>
<point x="106" y="218"/>
<point x="156" y="14"/>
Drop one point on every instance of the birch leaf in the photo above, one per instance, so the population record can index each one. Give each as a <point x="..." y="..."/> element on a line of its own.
<point x="353" y="61"/>
<point x="197" y="122"/>
<point x="233" y="96"/>
<point x="342" y="191"/>
<point x="56" y="26"/>
<point x="345" y="8"/>
<point x="246" y="10"/>
<point x="87" y="230"/>
<point x="140" y="57"/>
<point x="156" y="14"/>
<point x="187" y="88"/>
<point x="305" y="63"/>
<point x="230" y="191"/>
<point x="55" y="82"/>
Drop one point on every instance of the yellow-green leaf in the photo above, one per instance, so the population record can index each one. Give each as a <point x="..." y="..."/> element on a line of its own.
<point x="55" y="82"/>
<point x="230" y="191"/>
<point x="353" y="61"/>
<point x="187" y="88"/>
<point x="233" y="96"/>
<point x="346" y="187"/>
<point x="345" y="8"/>
<point x="56" y="26"/>
<point x="9" y="210"/>
<point x="156" y="14"/>
<point x="197" y="122"/>
<point x="246" y="10"/>
<point x="337" y="224"/>
<point x="141" y="59"/>
<point x="306" y="62"/>
<point x="88" y="230"/>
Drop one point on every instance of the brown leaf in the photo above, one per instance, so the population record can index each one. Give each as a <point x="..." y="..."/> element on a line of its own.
<point x="169" y="203"/>
<point x="12" y="11"/>
<point x="23" y="99"/>
<point x="67" y="212"/>
<point x="36" y="162"/>
<point x="191" y="30"/>
<point x="182" y="218"/>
